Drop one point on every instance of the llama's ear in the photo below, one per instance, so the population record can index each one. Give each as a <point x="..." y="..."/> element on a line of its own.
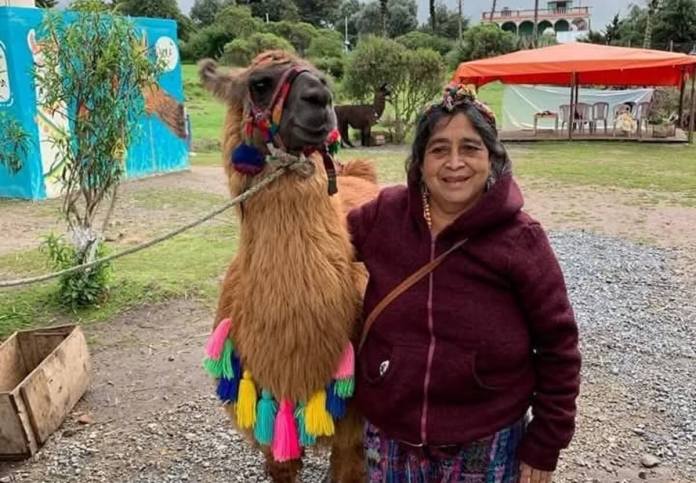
<point x="227" y="86"/>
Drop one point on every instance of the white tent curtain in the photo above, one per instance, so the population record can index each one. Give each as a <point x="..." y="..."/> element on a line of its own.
<point x="521" y="102"/>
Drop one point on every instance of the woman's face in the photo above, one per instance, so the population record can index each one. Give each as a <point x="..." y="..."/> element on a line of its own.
<point x="456" y="165"/>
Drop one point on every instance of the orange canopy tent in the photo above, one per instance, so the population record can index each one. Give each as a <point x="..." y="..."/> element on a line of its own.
<point x="586" y="64"/>
<point x="589" y="64"/>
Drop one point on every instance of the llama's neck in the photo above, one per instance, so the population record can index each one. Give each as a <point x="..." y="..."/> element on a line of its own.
<point x="379" y="103"/>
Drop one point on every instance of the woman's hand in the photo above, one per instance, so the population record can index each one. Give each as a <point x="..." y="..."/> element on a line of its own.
<point x="532" y="475"/>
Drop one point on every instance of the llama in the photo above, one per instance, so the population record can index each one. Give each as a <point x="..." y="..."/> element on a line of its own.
<point x="362" y="117"/>
<point x="291" y="297"/>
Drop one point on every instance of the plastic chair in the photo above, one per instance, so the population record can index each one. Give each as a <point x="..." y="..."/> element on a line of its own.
<point x="583" y="115"/>
<point x="642" y="113"/>
<point x="564" y="110"/>
<point x="600" y="112"/>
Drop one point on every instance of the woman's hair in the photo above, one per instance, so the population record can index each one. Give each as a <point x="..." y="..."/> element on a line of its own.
<point x="484" y="126"/>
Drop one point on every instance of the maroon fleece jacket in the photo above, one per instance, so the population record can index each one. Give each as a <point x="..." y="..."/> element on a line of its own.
<point x="468" y="349"/>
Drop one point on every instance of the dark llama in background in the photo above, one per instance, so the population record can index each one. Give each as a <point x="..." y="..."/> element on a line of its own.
<point x="361" y="117"/>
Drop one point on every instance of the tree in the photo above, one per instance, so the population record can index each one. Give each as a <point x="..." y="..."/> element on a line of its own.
<point x="447" y="23"/>
<point x="209" y="41"/>
<point x="14" y="143"/>
<point x="157" y="9"/>
<point x="415" y="77"/>
<point x="317" y="12"/>
<point x="348" y="10"/>
<point x="490" y="18"/>
<point x="417" y="39"/>
<point x="274" y="10"/>
<point x="433" y="16"/>
<point x="612" y="32"/>
<point x="241" y="51"/>
<point x="94" y="69"/>
<point x="238" y="21"/>
<point x="203" y="12"/>
<point x="299" y="34"/>
<point x="402" y="18"/>
<point x="482" y="41"/>
<point x="326" y="43"/>
<point x="676" y="22"/>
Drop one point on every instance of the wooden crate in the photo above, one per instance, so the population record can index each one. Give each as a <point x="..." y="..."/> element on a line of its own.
<point x="43" y="373"/>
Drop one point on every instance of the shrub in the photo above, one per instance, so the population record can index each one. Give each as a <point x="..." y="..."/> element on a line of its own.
<point x="14" y="143"/>
<point x="299" y="34"/>
<point x="422" y="40"/>
<point x="241" y="52"/>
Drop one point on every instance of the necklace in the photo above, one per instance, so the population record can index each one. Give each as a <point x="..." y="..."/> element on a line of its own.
<point x="426" y="210"/>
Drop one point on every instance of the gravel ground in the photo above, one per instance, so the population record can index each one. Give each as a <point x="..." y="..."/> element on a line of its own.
<point x="150" y="415"/>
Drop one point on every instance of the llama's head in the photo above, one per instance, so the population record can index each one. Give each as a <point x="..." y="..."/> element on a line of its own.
<point x="385" y="91"/>
<point x="288" y="91"/>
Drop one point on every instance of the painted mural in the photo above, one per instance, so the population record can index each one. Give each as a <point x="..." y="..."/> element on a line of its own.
<point x="163" y="142"/>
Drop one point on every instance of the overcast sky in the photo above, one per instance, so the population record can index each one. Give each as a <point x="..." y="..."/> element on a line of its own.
<point x="602" y="10"/>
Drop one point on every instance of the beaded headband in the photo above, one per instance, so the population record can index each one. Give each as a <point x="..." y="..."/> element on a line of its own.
<point x="455" y="95"/>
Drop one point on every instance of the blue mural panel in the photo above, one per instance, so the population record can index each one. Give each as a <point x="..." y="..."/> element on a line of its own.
<point x="162" y="141"/>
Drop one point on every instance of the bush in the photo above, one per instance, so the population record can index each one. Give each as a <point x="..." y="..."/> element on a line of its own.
<point x="239" y="22"/>
<point x="299" y="34"/>
<point x="82" y="288"/>
<point x="486" y="40"/>
<point x="210" y="41"/>
<point x="241" y="52"/>
<point x="376" y="60"/>
<point x="334" y="66"/>
<point x="14" y="143"/>
<point x="327" y="43"/>
<point x="415" y="77"/>
<point x="417" y="40"/>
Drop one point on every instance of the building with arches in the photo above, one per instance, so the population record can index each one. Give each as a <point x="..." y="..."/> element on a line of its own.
<point x="565" y="20"/>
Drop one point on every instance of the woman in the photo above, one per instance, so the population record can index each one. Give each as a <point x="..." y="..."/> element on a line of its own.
<point x="450" y="364"/>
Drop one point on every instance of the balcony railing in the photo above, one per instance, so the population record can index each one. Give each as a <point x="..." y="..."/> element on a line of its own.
<point x="542" y="14"/>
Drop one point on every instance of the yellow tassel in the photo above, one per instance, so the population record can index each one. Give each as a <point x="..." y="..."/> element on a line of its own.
<point x="318" y="421"/>
<point x="246" y="402"/>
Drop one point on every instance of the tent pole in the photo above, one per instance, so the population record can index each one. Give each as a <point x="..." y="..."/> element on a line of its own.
<point x="571" y="116"/>
<point x="681" y="97"/>
<point x="693" y="107"/>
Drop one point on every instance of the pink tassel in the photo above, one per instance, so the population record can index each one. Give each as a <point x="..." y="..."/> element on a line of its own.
<point x="286" y="445"/>
<point x="216" y="341"/>
<point x="346" y="367"/>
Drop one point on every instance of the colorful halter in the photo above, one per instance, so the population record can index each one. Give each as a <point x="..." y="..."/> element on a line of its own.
<point x="285" y="426"/>
<point x="248" y="159"/>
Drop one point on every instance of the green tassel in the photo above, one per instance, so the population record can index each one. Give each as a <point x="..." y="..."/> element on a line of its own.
<point x="344" y="387"/>
<point x="221" y="367"/>
<point x="266" y="410"/>
<point x="306" y="439"/>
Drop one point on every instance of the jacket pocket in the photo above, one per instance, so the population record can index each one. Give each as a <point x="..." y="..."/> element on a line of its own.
<point x="454" y="377"/>
<point x="389" y="387"/>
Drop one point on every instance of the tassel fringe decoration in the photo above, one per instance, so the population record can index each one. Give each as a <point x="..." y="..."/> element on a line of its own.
<point x="216" y="341"/>
<point x="266" y="411"/>
<point x="318" y="421"/>
<point x="344" y="388"/>
<point x="335" y="405"/>
<point x="246" y="402"/>
<point x="306" y="439"/>
<point x="346" y="366"/>
<point x="221" y="367"/>
<point x="247" y="159"/>
<point x="285" y="445"/>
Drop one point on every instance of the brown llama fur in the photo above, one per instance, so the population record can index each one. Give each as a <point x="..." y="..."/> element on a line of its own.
<point x="292" y="290"/>
<point x="361" y="117"/>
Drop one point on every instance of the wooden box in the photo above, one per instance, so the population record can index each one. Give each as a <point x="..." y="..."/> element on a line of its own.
<point x="43" y="373"/>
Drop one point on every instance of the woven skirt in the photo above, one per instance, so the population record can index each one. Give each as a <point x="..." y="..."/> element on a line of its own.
<point x="489" y="460"/>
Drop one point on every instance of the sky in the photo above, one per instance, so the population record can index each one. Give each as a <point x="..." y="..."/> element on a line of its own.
<point x="602" y="10"/>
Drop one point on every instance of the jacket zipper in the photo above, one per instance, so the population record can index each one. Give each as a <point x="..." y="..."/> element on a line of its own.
<point x="431" y="350"/>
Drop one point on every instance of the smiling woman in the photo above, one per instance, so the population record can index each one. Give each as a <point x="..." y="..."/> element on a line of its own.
<point x="449" y="368"/>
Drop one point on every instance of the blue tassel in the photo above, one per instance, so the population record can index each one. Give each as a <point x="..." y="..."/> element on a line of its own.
<point x="228" y="388"/>
<point x="248" y="160"/>
<point x="335" y="405"/>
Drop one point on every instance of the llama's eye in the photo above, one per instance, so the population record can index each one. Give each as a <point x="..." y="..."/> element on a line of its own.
<point x="260" y="85"/>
